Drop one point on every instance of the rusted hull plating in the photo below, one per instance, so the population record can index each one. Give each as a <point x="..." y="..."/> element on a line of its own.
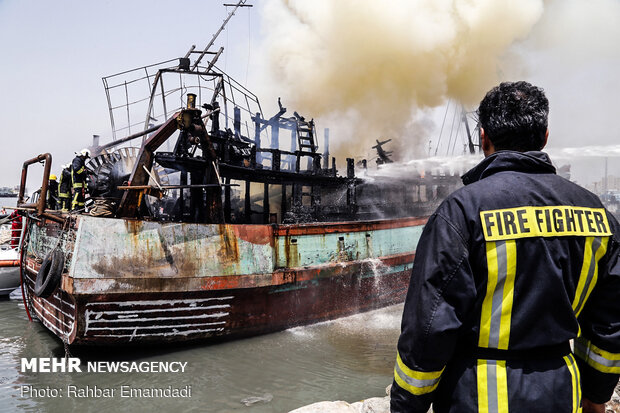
<point x="248" y="279"/>
<point x="57" y="312"/>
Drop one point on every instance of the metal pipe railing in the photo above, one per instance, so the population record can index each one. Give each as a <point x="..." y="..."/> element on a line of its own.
<point x="40" y="205"/>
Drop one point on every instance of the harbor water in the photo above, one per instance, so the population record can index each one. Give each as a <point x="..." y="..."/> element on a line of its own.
<point x="346" y="359"/>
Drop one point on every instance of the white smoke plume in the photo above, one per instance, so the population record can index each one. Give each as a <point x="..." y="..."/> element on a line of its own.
<point x="573" y="53"/>
<point x="376" y="66"/>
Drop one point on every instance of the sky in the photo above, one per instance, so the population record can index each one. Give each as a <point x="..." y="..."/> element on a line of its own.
<point x="341" y="62"/>
<point x="54" y="54"/>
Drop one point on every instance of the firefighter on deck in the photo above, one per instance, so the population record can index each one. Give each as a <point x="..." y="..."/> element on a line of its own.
<point x="78" y="176"/>
<point x="52" y="193"/>
<point x="64" y="192"/>
<point x="508" y="270"/>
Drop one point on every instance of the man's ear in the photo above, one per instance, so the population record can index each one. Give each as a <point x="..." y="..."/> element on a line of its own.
<point x="487" y="146"/>
<point x="546" y="138"/>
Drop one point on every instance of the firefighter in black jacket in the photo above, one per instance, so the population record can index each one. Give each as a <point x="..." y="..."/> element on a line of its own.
<point x="508" y="270"/>
<point x="64" y="192"/>
<point x="78" y="175"/>
<point x="52" y="193"/>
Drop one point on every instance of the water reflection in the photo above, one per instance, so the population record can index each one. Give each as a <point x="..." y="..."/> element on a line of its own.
<point x="347" y="359"/>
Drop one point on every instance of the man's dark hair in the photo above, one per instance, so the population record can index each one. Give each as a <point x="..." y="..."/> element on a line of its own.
<point x="514" y="116"/>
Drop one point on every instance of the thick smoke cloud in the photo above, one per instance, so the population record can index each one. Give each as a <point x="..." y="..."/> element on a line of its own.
<point x="376" y="66"/>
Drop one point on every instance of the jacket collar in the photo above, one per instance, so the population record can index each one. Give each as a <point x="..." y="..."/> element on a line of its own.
<point x="527" y="162"/>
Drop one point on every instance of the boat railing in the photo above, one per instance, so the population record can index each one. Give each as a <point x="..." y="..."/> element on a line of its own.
<point x="140" y="98"/>
<point x="281" y="160"/>
<point x="10" y="235"/>
<point x="40" y="204"/>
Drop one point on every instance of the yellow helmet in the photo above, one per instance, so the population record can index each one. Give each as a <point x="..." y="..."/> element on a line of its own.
<point x="52" y="177"/>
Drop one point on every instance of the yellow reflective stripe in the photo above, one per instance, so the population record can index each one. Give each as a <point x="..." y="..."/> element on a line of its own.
<point x="496" y="314"/>
<point x="483" y="392"/>
<point x="412" y="388"/>
<point x="508" y="294"/>
<point x="492" y="384"/>
<point x="597" y="257"/>
<point x="417" y="374"/>
<point x="79" y="171"/>
<point x="606" y="354"/>
<point x="585" y="268"/>
<point x="487" y="304"/>
<point x="574" y="384"/>
<point x="579" y="408"/>
<point x="573" y="377"/>
<point x="502" y="387"/>
<point x="76" y="202"/>
<point x="414" y="381"/>
<point x="597" y="358"/>
<point x="594" y="249"/>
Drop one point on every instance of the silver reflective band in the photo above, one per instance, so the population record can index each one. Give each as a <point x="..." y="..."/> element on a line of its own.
<point x="583" y="349"/>
<point x="415" y="382"/>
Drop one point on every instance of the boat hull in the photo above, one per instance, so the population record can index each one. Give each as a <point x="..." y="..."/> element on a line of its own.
<point x="101" y="304"/>
<point x="9" y="271"/>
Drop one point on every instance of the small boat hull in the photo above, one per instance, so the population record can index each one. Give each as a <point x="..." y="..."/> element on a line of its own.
<point x="9" y="271"/>
<point x="9" y="279"/>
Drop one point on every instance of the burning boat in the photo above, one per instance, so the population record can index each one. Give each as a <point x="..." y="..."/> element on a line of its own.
<point x="209" y="229"/>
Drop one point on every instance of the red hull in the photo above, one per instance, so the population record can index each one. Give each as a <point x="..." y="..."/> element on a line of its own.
<point x="215" y="314"/>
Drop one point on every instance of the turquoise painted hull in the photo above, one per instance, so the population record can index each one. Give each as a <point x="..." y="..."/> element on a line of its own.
<point x="131" y="281"/>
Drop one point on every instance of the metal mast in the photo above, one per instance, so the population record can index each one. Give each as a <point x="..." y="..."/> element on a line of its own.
<point x="241" y="3"/>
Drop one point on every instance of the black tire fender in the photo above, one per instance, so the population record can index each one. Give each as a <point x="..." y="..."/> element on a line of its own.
<point x="48" y="277"/>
